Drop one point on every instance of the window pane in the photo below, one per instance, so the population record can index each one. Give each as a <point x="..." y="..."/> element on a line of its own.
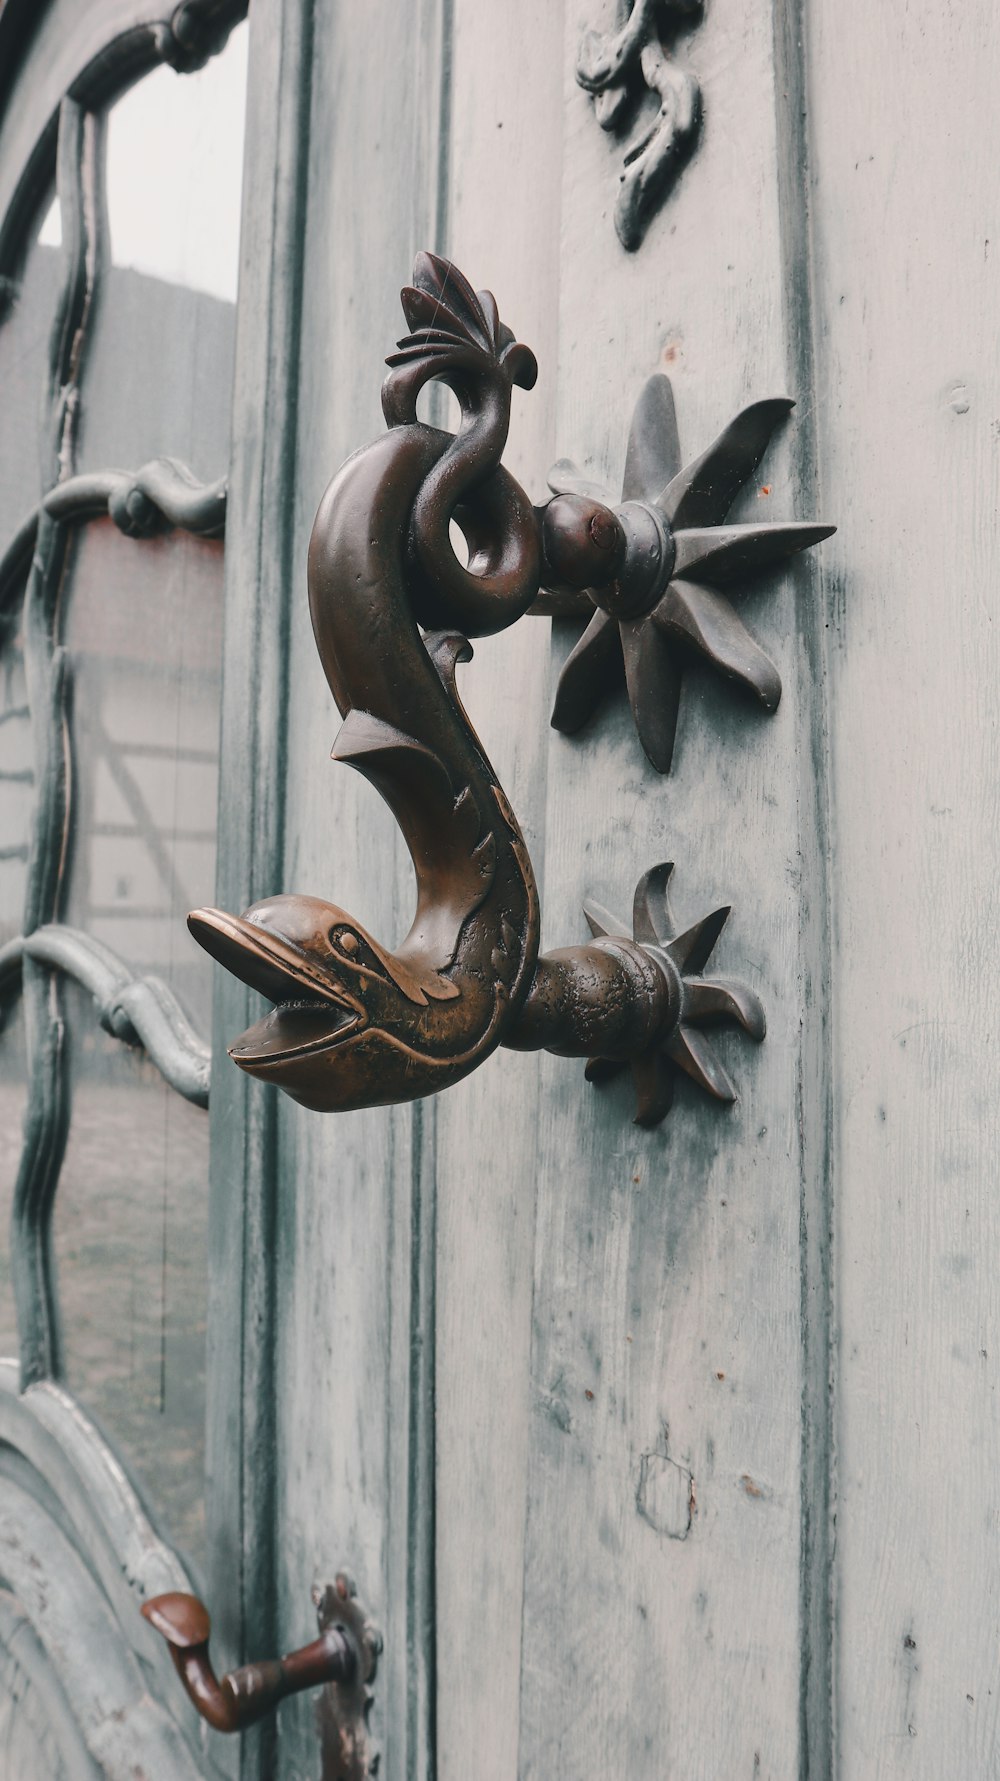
<point x="13" y="1100"/>
<point x="16" y="783"/>
<point x="16" y="795"/>
<point x="143" y="632"/>
<point x="159" y="361"/>
<point x="142" y="624"/>
<point x="25" y="328"/>
<point x="24" y="349"/>
<point x="130" y="1240"/>
<point x="174" y="172"/>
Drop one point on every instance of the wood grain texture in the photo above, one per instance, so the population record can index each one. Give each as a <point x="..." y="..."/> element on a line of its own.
<point x="356" y="1208"/>
<point x="908" y="405"/>
<point x="662" y="1572"/>
<point x="49" y="1445"/>
<point x="606" y="1453"/>
<point x="242" y="1535"/>
<point x="504" y="155"/>
<point x="38" y="1733"/>
<point x="88" y="1661"/>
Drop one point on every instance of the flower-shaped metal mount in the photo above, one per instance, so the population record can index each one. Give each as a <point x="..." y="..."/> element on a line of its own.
<point x="696" y="1002"/>
<point x="649" y="622"/>
<point x="342" y="1661"/>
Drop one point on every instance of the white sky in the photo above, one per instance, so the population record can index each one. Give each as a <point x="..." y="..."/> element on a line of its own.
<point x="174" y="174"/>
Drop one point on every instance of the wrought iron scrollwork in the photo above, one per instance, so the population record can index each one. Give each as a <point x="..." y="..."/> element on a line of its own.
<point x="79" y="1551"/>
<point x="164" y="493"/>
<point x="356" y="1025"/>
<point x="141" y="1010"/>
<point x="137" y="1009"/>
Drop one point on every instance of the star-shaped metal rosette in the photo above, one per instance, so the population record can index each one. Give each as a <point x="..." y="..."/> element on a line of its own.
<point x="671" y="596"/>
<point x="695" y="1001"/>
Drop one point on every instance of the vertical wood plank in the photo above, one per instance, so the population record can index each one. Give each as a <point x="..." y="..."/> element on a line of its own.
<point x="356" y="1216"/>
<point x="816" y="1086"/>
<point x="662" y="1572"/>
<point x="503" y="231"/>
<point x="243" y="1542"/>
<point x="906" y="195"/>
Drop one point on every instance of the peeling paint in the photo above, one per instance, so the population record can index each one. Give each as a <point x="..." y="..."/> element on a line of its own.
<point x="665" y="1496"/>
<point x="553" y="1404"/>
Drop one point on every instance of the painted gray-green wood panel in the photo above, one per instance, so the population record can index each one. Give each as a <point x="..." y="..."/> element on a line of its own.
<point x="505" y="159"/>
<point x="650" y="1325"/>
<point x="356" y="1196"/>
<point x="244" y="1542"/>
<point x="667" y="1563"/>
<point x="905" y="196"/>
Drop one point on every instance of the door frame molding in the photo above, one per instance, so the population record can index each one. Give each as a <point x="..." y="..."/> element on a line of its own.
<point x="258" y="575"/>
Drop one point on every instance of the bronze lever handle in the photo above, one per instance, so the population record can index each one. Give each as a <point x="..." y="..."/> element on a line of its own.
<point x="345" y="1653"/>
<point x="665" y="595"/>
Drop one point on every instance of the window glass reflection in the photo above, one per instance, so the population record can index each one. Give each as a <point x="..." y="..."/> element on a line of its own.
<point x="17" y="780"/>
<point x="25" y="326"/>
<point x="26" y="319"/>
<point x="174" y="172"/>
<point x="143" y="632"/>
<point x="142" y="625"/>
<point x="159" y="361"/>
<point x="13" y="1101"/>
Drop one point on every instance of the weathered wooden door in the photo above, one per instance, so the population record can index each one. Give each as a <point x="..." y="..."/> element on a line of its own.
<point x="663" y="1453"/>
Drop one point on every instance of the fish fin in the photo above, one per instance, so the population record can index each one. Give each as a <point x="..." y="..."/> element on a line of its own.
<point x="390" y="759"/>
<point x="446" y="649"/>
<point x="362" y="736"/>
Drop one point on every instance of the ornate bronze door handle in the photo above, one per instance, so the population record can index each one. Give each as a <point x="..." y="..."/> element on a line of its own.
<point x="343" y="1657"/>
<point x="354" y="1025"/>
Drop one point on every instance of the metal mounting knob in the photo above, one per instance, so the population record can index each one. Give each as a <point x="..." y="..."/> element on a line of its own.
<point x="639" y="1000"/>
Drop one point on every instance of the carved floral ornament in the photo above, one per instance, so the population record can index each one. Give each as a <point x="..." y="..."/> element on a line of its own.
<point x="621" y="69"/>
<point x="645" y="629"/>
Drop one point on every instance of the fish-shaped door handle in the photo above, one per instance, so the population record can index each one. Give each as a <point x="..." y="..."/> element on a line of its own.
<point x="353" y="1023"/>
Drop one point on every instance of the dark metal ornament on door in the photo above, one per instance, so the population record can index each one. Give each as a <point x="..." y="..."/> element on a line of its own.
<point x="342" y="1661"/>
<point x="670" y="602"/>
<point x="354" y="1024"/>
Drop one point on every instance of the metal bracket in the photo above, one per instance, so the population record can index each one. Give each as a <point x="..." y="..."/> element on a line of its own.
<point x="668" y="599"/>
